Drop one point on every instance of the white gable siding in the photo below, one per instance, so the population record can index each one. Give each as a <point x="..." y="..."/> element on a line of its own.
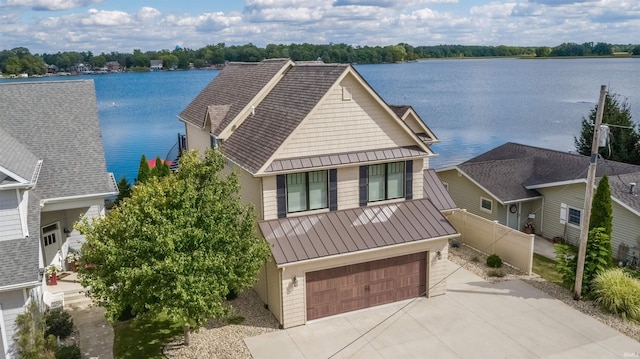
<point x="336" y="126"/>
<point x="198" y="139"/>
<point x="10" y="224"/>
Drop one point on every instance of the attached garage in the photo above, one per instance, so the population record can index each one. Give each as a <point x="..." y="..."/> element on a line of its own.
<point x="358" y="286"/>
<point x="339" y="261"/>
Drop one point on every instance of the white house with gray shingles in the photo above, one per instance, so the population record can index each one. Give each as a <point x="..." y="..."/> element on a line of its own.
<point x="52" y="173"/>
<point x="515" y="184"/>
<point x="339" y="181"/>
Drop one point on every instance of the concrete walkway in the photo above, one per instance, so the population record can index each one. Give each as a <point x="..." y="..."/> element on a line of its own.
<point x="95" y="333"/>
<point x="475" y="319"/>
<point x="544" y="247"/>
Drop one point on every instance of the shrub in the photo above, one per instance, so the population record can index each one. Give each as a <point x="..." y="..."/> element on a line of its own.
<point x="617" y="292"/>
<point x="68" y="352"/>
<point x="494" y="261"/>
<point x="59" y="323"/>
<point x="496" y="273"/>
<point x="566" y="263"/>
<point x="475" y="259"/>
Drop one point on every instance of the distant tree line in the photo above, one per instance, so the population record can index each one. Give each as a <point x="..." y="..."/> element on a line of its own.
<point x="20" y="60"/>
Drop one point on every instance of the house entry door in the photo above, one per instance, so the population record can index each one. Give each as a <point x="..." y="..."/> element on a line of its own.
<point x="51" y="244"/>
<point x="513" y="216"/>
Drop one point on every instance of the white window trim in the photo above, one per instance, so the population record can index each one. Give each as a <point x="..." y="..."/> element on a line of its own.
<point x="485" y="209"/>
<point x="569" y="208"/>
<point x="564" y="215"/>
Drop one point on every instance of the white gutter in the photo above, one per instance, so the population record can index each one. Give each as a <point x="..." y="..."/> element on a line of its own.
<point x="74" y="198"/>
<point x="20" y="286"/>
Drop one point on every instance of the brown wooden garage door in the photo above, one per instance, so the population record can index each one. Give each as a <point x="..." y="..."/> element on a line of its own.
<point x="343" y="289"/>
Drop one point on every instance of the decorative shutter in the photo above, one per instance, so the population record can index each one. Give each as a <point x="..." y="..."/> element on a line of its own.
<point x="333" y="189"/>
<point x="281" y="195"/>
<point x="364" y="177"/>
<point x="408" y="179"/>
<point x="563" y="213"/>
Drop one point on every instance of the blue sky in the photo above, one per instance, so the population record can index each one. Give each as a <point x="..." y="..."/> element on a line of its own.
<point x="118" y="25"/>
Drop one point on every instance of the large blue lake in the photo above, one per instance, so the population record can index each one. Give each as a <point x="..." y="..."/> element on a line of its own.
<point x="471" y="105"/>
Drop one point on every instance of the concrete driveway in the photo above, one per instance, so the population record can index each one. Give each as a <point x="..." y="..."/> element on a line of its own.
<point x="475" y="319"/>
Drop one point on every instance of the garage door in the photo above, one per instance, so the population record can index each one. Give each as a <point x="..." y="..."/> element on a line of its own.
<point x="358" y="286"/>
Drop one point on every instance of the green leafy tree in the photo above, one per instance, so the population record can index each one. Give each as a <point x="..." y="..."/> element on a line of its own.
<point x="30" y="340"/>
<point x="179" y="245"/>
<point x="144" y="173"/>
<point x="623" y="146"/>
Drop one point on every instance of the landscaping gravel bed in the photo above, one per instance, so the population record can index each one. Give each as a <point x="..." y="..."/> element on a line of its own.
<point x="220" y="339"/>
<point x="463" y="256"/>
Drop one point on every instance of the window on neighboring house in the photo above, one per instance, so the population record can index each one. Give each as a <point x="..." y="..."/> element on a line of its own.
<point x="386" y="181"/>
<point x="486" y="204"/>
<point x="570" y="215"/>
<point x="574" y="216"/>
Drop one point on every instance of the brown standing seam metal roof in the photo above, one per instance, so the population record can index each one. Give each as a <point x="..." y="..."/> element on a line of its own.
<point x="347" y="231"/>
<point x="236" y="85"/>
<point x="279" y="114"/>
<point x="346" y="158"/>
<point x="434" y="190"/>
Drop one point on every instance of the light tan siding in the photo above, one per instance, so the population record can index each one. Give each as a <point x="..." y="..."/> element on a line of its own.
<point x="418" y="182"/>
<point x="250" y="190"/>
<point x="348" y="187"/>
<point x="198" y="139"/>
<point x="269" y="195"/>
<point x="294" y="295"/>
<point x="336" y="125"/>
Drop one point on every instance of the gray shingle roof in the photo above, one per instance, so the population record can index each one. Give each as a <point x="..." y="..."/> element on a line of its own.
<point x="506" y="170"/>
<point x="621" y="189"/>
<point x="282" y="110"/>
<point x="234" y="86"/>
<point x="15" y="157"/>
<point x="327" y="234"/>
<point x="57" y="122"/>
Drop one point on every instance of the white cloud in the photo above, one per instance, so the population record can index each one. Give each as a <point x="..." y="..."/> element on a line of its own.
<point x="147" y="14"/>
<point x="493" y="10"/>
<point x="355" y="22"/>
<point x="48" y="5"/>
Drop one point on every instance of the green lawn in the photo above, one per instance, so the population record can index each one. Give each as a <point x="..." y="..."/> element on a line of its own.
<point x="546" y="268"/>
<point x="144" y="338"/>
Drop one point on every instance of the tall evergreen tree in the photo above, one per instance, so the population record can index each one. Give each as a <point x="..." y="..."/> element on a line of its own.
<point x="143" y="170"/>
<point x="602" y="213"/>
<point x="124" y="190"/>
<point x="623" y="146"/>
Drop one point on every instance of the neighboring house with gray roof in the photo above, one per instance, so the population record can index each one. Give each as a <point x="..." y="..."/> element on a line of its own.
<point x="339" y="181"/>
<point x="52" y="173"/>
<point x="515" y="184"/>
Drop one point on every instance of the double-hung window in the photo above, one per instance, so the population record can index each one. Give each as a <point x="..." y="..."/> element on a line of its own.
<point x="385" y="181"/>
<point x="307" y="191"/>
<point x="570" y="215"/>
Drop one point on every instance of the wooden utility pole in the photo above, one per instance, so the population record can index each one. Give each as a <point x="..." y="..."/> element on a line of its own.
<point x="588" y="196"/>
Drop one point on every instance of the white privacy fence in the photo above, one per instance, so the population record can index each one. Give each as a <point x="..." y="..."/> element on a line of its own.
<point x="513" y="246"/>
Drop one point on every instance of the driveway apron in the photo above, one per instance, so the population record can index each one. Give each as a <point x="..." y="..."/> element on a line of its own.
<point x="475" y="319"/>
